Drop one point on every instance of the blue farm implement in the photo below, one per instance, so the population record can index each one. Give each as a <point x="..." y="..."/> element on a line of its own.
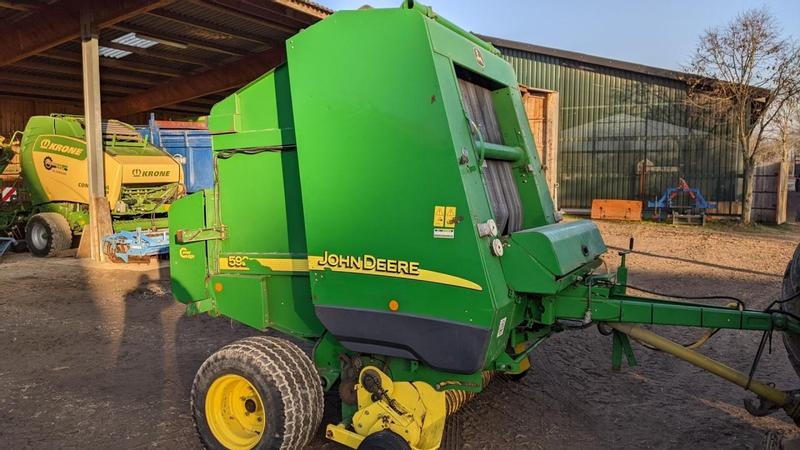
<point x="139" y="246"/>
<point x="693" y="212"/>
<point x="6" y="243"/>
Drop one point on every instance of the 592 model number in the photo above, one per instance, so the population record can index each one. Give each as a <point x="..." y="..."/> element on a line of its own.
<point x="237" y="261"/>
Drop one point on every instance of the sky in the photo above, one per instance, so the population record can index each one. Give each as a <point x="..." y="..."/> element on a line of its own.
<point x="656" y="33"/>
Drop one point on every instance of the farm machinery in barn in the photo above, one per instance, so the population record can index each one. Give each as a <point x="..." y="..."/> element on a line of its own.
<point x="48" y="194"/>
<point x="379" y="196"/>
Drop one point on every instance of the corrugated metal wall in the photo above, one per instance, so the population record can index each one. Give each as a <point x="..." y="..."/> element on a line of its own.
<point x="611" y="120"/>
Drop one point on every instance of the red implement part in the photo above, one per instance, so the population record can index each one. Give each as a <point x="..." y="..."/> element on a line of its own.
<point x="683" y="186"/>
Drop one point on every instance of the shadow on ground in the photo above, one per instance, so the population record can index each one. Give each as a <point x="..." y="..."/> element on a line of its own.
<point x="99" y="358"/>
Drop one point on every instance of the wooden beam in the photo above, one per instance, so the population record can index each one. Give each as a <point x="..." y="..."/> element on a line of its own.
<point x="62" y="69"/>
<point x="18" y="6"/>
<point x="63" y="83"/>
<point x="184" y="40"/>
<point x="59" y="23"/>
<point x="211" y="28"/>
<point x="179" y="90"/>
<point x="28" y="91"/>
<point x="122" y="64"/>
<point x="198" y="110"/>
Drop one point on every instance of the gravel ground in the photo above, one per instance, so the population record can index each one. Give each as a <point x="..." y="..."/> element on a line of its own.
<point x="98" y="358"/>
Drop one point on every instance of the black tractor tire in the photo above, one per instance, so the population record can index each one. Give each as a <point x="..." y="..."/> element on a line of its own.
<point x="384" y="440"/>
<point x="791" y="288"/>
<point x="47" y="234"/>
<point x="287" y="383"/>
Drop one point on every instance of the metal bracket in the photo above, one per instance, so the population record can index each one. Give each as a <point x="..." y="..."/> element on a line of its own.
<point x="760" y="406"/>
<point x="199" y="307"/>
<point x="621" y="344"/>
<point x="200" y="234"/>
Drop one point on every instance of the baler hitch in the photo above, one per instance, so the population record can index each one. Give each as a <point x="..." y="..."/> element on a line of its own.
<point x="769" y="400"/>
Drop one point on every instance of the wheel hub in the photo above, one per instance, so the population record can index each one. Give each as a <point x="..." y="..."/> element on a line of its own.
<point x="39" y="236"/>
<point x="235" y="412"/>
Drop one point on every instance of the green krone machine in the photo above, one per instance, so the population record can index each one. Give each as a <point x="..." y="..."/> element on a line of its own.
<point x="53" y="206"/>
<point x="379" y="196"/>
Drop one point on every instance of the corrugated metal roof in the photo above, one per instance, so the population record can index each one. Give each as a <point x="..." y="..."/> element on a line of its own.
<point x="566" y="55"/>
<point x="192" y="35"/>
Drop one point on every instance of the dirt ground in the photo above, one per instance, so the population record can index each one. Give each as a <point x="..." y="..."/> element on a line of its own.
<point x="99" y="358"/>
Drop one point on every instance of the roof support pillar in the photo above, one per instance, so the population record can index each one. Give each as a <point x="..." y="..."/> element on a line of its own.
<point x="99" y="211"/>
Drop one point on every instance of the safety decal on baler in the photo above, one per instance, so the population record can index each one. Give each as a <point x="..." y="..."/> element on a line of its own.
<point x="444" y="222"/>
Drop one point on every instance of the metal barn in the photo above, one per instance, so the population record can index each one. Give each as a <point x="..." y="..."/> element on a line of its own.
<point x="626" y="130"/>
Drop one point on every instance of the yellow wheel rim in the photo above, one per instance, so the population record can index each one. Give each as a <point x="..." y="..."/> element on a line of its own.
<point x="235" y="412"/>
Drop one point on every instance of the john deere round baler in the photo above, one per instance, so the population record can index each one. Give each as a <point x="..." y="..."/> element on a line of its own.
<point x="379" y="195"/>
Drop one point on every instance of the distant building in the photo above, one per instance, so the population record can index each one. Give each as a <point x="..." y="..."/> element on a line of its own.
<point x="626" y="131"/>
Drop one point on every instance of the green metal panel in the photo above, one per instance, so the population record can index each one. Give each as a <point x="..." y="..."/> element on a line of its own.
<point x="279" y="301"/>
<point x="262" y="212"/>
<point x="271" y="127"/>
<point x="562" y="248"/>
<point x="260" y="204"/>
<point x="242" y="297"/>
<point x="187" y="262"/>
<point x="379" y="147"/>
<point x="610" y="119"/>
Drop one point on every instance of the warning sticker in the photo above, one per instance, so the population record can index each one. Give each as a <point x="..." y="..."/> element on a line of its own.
<point x="444" y="233"/>
<point x="438" y="216"/>
<point x="450" y="217"/>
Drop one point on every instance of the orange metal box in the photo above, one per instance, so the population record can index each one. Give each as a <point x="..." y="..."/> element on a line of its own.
<point x="616" y="209"/>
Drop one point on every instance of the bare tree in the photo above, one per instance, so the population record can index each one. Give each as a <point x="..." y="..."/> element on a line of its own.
<point x="747" y="72"/>
<point x="787" y="130"/>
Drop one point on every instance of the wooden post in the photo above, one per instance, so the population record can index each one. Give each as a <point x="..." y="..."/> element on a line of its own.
<point x="99" y="211"/>
<point x="552" y="144"/>
<point x="782" y="192"/>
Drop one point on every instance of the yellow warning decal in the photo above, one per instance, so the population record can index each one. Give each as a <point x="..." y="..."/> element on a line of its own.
<point x="450" y="217"/>
<point x="438" y="216"/>
<point x="395" y="268"/>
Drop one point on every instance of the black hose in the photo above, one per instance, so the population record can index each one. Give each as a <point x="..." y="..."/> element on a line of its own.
<point x="739" y="301"/>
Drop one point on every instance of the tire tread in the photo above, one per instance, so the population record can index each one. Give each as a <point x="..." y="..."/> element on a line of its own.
<point x="290" y="371"/>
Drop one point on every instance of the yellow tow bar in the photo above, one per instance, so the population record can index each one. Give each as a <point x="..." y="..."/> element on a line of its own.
<point x="777" y="397"/>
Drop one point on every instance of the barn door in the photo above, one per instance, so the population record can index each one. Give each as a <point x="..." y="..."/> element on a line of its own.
<point x="541" y="108"/>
